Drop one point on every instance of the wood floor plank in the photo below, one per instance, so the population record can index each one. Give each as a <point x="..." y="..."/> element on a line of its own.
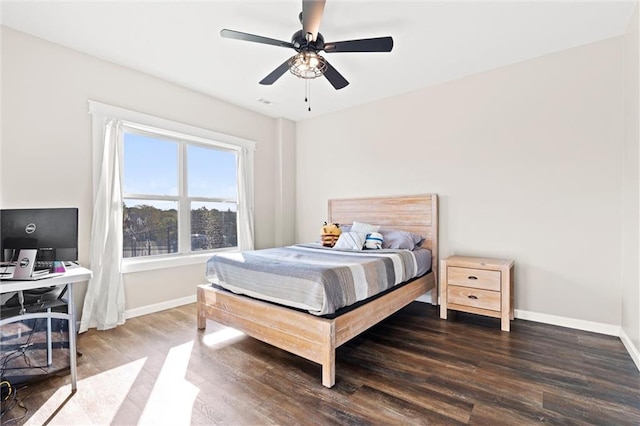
<point x="394" y="409"/>
<point x="412" y="368"/>
<point x="590" y="410"/>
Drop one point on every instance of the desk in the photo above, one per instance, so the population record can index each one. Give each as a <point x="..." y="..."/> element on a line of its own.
<point x="73" y="275"/>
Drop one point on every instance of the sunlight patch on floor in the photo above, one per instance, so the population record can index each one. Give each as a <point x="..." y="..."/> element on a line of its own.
<point x="171" y="400"/>
<point x="110" y="388"/>
<point x="223" y="337"/>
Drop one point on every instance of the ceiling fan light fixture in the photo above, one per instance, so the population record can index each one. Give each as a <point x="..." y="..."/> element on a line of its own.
<point x="307" y="65"/>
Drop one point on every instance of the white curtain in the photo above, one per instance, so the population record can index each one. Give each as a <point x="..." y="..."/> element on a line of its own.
<point x="104" y="302"/>
<point x="245" y="197"/>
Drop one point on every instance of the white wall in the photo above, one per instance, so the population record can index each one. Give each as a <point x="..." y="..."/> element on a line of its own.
<point x="631" y="214"/>
<point x="286" y="178"/>
<point x="526" y="160"/>
<point x="46" y="143"/>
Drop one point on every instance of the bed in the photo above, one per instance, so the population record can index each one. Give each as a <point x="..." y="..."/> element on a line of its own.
<point x="317" y="337"/>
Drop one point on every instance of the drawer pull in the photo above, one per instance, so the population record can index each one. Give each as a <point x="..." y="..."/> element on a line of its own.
<point x="471" y="277"/>
<point x="471" y="296"/>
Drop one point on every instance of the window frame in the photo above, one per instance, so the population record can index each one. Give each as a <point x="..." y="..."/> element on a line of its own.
<point x="159" y="127"/>
<point x="182" y="199"/>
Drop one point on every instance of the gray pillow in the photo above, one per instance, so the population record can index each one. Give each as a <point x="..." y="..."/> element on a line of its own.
<point x="392" y="239"/>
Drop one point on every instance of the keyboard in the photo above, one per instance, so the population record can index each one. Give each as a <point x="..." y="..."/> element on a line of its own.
<point x="43" y="265"/>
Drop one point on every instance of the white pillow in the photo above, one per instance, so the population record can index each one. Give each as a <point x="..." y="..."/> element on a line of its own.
<point x="350" y="241"/>
<point x="364" y="228"/>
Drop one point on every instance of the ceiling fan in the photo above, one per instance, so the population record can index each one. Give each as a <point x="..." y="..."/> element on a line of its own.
<point x="307" y="63"/>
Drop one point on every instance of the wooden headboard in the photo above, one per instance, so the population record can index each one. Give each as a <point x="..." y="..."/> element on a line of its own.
<point x="417" y="214"/>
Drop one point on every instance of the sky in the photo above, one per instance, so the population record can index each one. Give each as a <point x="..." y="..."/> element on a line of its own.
<point x="151" y="168"/>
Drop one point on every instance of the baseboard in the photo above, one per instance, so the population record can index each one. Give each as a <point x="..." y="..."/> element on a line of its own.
<point x="633" y="351"/>
<point x="149" y="309"/>
<point x="426" y="298"/>
<point x="595" y="327"/>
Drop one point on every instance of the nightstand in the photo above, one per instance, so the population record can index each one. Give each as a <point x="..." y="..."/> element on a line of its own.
<point x="479" y="286"/>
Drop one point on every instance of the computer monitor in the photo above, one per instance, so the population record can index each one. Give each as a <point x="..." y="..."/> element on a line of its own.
<point x="53" y="231"/>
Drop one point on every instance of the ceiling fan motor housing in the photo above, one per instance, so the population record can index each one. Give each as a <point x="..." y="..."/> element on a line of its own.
<point x="300" y="42"/>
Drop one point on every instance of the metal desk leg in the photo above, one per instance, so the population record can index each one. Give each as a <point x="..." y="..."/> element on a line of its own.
<point x="22" y="310"/>
<point x="49" y="346"/>
<point x="71" y="310"/>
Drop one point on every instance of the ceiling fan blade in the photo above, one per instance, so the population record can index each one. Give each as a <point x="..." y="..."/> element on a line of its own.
<point x="335" y="78"/>
<point x="312" y="16"/>
<point x="379" y="44"/>
<point x="276" y="74"/>
<point x="254" y="38"/>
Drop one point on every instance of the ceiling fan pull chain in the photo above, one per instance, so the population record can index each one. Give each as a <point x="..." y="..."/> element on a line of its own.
<point x="309" y="90"/>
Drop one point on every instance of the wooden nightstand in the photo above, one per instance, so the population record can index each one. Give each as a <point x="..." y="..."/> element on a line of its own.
<point x="477" y="285"/>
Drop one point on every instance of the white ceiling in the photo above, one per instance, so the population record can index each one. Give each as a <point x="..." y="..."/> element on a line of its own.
<point x="433" y="42"/>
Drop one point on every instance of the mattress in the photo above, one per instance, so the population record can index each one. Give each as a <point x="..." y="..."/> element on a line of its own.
<point x="314" y="278"/>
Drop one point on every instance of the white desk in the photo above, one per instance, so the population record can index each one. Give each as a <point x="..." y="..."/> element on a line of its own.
<point x="73" y="275"/>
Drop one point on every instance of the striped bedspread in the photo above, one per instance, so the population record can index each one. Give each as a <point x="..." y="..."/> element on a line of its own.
<point x="315" y="278"/>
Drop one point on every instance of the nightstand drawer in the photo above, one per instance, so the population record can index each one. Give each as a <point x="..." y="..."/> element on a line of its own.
<point x="471" y="277"/>
<point x="466" y="296"/>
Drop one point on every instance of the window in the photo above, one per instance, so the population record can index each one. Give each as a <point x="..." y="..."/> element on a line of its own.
<point x="183" y="191"/>
<point x="179" y="196"/>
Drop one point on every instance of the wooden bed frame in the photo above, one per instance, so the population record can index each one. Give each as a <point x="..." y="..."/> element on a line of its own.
<point x="316" y="338"/>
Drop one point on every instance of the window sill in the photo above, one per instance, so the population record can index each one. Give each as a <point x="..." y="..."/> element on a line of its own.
<point x="150" y="264"/>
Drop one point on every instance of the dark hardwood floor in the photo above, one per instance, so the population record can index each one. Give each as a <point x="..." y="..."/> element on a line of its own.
<point x="412" y="368"/>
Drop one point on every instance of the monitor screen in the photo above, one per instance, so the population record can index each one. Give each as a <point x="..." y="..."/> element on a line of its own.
<point x="54" y="232"/>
